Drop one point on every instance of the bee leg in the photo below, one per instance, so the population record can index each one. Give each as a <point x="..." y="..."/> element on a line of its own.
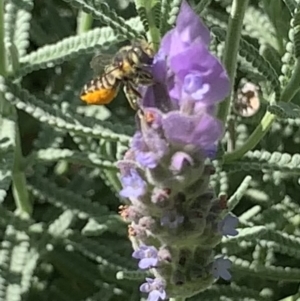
<point x="145" y="77"/>
<point x="132" y="95"/>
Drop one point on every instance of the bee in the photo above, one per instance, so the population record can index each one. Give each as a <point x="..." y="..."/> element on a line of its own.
<point x="130" y="66"/>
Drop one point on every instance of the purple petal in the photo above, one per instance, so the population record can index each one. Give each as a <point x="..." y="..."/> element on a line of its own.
<point x="139" y="253"/>
<point x="190" y="25"/>
<point x="147" y="263"/>
<point x="156" y="295"/>
<point x="149" y="148"/>
<point x="145" y="288"/>
<point x="200" y="74"/>
<point x="200" y="130"/>
<point x="180" y="160"/>
<point x="133" y="185"/>
<point x="189" y="28"/>
<point x="220" y="268"/>
<point x="228" y="225"/>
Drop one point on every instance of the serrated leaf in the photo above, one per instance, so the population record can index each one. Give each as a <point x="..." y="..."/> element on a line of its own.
<point x="73" y="156"/>
<point x="258" y="25"/>
<point x="62" y="198"/>
<point x="266" y="161"/>
<point x="252" y="55"/>
<point x="291" y="5"/>
<point x="296" y="29"/>
<point x="7" y="146"/>
<point x="285" y="110"/>
<point x="168" y="15"/>
<point x="72" y="47"/>
<point x="13" y="258"/>
<point x="44" y="112"/>
<point x="101" y="11"/>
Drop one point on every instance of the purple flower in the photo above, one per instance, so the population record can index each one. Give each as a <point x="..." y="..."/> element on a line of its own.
<point x="180" y="160"/>
<point x="149" y="148"/>
<point x="133" y="185"/>
<point x="155" y="288"/>
<point x="171" y="219"/>
<point x="198" y="76"/>
<point x="201" y="130"/>
<point x="148" y="256"/>
<point x="189" y="28"/>
<point x="228" y="224"/>
<point x="220" y="268"/>
<point x="164" y="173"/>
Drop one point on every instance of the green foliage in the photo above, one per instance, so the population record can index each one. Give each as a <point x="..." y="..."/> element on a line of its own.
<point x="285" y="110"/>
<point x="61" y="235"/>
<point x="101" y="11"/>
<point x="251" y="54"/>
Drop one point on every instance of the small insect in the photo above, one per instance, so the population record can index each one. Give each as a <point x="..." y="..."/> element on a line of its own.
<point x="129" y="66"/>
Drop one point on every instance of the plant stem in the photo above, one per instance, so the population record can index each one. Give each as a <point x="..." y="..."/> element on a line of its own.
<point x="2" y="46"/>
<point x="253" y="140"/>
<point x="8" y="113"/>
<point x="20" y="191"/>
<point x="177" y="299"/>
<point x="287" y="94"/>
<point x="153" y="33"/>
<point x="231" y="49"/>
<point x="84" y="22"/>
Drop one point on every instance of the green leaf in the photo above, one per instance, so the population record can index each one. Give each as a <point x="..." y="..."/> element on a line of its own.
<point x="72" y="47"/>
<point x="291" y="5"/>
<point x="61" y="224"/>
<point x="296" y="28"/>
<point x="62" y="198"/>
<point x="101" y="11"/>
<point x="258" y="25"/>
<point x="7" y="146"/>
<point x="98" y="251"/>
<point x="45" y="113"/>
<point x="168" y="15"/>
<point x="238" y="194"/>
<point x="73" y="156"/>
<point x="23" y="4"/>
<point x="265" y="272"/>
<point x="201" y="6"/>
<point x="271" y="55"/>
<point x="258" y="62"/>
<point x="231" y="292"/>
<point x="13" y="259"/>
<point x="266" y="161"/>
<point x="285" y="110"/>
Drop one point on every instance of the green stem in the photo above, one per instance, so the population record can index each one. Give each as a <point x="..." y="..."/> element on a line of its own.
<point x="20" y="192"/>
<point x="153" y="33"/>
<point x="287" y="94"/>
<point x="177" y="299"/>
<point x="231" y="49"/>
<point x="84" y="22"/>
<point x="253" y="140"/>
<point x="2" y="46"/>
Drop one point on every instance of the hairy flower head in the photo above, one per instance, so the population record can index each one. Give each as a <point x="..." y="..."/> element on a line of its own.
<point x="165" y="174"/>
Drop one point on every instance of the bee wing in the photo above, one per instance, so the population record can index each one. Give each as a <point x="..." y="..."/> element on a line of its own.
<point x="99" y="62"/>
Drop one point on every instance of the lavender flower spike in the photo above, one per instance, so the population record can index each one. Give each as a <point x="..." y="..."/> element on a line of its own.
<point x="165" y="174"/>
